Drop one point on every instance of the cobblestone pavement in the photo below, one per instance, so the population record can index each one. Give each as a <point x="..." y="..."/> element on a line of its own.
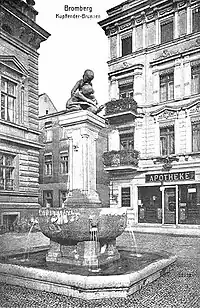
<point x="178" y="289"/>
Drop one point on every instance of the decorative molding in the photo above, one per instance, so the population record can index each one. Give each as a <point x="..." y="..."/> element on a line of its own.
<point x="14" y="64"/>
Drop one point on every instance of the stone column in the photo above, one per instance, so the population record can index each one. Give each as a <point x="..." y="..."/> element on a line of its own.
<point x="177" y="136"/>
<point x="189" y="26"/>
<point x="144" y="34"/>
<point x="187" y="76"/>
<point x="157" y="138"/>
<point x="157" y="32"/>
<point x="176" y="34"/>
<point x="138" y="85"/>
<point x="70" y="164"/>
<point x="133" y="40"/>
<point x="177" y="79"/>
<point x="118" y="46"/>
<point x="85" y="162"/>
<point x="113" y="88"/>
<point x="156" y="88"/>
<point x="188" y="128"/>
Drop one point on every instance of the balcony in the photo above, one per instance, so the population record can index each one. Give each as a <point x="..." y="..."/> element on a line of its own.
<point x="6" y="184"/>
<point x="126" y="160"/>
<point x="121" y="109"/>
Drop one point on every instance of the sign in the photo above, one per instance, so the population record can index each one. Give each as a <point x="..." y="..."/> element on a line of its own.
<point x="170" y="177"/>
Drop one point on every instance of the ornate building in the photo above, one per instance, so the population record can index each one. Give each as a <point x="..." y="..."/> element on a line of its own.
<point x="154" y="111"/>
<point x="20" y="38"/>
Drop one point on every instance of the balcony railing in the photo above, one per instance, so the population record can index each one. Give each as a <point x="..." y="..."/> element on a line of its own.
<point x="6" y="184"/>
<point x="121" y="158"/>
<point x="121" y="105"/>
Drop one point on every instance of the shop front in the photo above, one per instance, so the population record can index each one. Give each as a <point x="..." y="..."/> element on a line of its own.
<point x="169" y="199"/>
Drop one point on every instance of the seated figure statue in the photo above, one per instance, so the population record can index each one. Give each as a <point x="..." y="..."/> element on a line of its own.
<point x="82" y="95"/>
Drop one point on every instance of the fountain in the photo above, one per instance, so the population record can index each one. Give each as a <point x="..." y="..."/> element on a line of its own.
<point x="83" y="260"/>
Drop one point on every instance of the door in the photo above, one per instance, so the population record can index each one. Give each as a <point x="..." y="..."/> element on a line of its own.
<point x="170" y="205"/>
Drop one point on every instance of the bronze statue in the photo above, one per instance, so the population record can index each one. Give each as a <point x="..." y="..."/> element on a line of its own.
<point x="82" y="95"/>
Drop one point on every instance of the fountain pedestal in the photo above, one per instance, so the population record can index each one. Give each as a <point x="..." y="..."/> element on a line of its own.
<point x="87" y="253"/>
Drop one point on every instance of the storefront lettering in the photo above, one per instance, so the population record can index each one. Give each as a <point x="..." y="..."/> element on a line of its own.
<point x="170" y="177"/>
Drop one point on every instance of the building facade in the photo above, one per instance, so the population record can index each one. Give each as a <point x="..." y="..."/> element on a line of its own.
<point x="20" y="38"/>
<point x="71" y="157"/>
<point x="154" y="111"/>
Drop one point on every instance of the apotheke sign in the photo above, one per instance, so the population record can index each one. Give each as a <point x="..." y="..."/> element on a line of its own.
<point x="170" y="177"/>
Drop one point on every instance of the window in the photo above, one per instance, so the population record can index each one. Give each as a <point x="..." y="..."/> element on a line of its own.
<point x="127" y="141"/>
<point x="196" y="20"/>
<point x="8" y="99"/>
<point x="126" y="196"/>
<point x="64" y="163"/>
<point x="48" y="198"/>
<point x="63" y="196"/>
<point x="167" y="140"/>
<point x="166" y="87"/>
<point x="127" y="45"/>
<point x="9" y="220"/>
<point x="48" y="164"/>
<point x="126" y="88"/>
<point x="195" y="75"/>
<point x="6" y="171"/>
<point x="48" y="132"/>
<point x="167" y="31"/>
<point x="196" y="137"/>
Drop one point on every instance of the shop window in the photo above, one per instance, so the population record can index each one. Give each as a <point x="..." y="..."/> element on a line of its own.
<point x="126" y="45"/>
<point x="196" y="137"/>
<point x="8" y="100"/>
<point x="63" y="196"/>
<point x="167" y="31"/>
<point x="48" y="198"/>
<point x="64" y="163"/>
<point x="189" y="204"/>
<point x="167" y="87"/>
<point x="167" y="146"/>
<point x="125" y="196"/>
<point x="149" y="205"/>
<point x="196" y="20"/>
<point x="48" y="164"/>
<point x="6" y="171"/>
<point x="195" y="82"/>
<point x="127" y="141"/>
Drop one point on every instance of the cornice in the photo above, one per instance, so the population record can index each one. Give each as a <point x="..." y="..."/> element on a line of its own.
<point x="20" y="27"/>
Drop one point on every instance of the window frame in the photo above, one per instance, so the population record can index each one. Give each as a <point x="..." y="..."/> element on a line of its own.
<point x="125" y="36"/>
<point x="126" y="198"/>
<point x="46" y="199"/>
<point x="62" y="161"/>
<point x="170" y="140"/>
<point x="128" y="139"/>
<point x="195" y="123"/>
<point x="193" y="24"/>
<point x="7" y="172"/>
<point x="167" y="86"/>
<point x="193" y="73"/>
<point x="48" y="162"/>
<point x="13" y="96"/>
<point x="163" y="23"/>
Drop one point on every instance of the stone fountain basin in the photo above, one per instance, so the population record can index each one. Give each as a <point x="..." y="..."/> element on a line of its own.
<point x="68" y="226"/>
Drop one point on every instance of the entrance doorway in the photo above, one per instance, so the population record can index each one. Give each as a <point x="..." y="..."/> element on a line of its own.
<point x="170" y="205"/>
